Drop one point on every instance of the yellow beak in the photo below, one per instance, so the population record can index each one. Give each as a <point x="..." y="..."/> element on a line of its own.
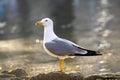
<point x="38" y="23"/>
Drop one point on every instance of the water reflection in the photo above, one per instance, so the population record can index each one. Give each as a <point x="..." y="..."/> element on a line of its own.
<point x="24" y="18"/>
<point x="63" y="17"/>
<point x="2" y="12"/>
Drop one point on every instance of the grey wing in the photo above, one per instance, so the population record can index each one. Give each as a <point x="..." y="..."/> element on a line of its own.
<point x="63" y="47"/>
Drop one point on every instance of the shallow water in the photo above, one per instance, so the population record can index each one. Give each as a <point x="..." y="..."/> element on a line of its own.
<point x="87" y="23"/>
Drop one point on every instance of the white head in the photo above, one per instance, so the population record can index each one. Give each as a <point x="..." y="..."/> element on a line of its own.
<point x="48" y="31"/>
<point x="45" y="22"/>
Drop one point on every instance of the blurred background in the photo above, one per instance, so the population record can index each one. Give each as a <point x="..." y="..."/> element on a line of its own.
<point x="93" y="24"/>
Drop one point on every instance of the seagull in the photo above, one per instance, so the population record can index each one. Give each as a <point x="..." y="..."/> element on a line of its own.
<point x="59" y="47"/>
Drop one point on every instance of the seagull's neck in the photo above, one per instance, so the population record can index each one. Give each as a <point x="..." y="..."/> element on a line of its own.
<point x="49" y="33"/>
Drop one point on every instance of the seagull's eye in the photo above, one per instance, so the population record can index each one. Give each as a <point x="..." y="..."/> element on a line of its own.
<point x="46" y="20"/>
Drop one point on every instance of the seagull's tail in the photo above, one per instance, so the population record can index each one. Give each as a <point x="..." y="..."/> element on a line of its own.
<point x="89" y="53"/>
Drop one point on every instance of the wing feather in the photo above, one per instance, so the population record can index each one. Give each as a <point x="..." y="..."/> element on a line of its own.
<point x="63" y="47"/>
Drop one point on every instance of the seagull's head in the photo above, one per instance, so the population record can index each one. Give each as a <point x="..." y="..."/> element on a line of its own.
<point x="45" y="22"/>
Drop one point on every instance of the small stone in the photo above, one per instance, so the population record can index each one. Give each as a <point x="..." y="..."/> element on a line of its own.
<point x="17" y="72"/>
<point x="110" y="76"/>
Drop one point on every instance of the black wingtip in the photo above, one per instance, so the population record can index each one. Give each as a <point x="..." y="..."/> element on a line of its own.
<point x="93" y="53"/>
<point x="90" y="53"/>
